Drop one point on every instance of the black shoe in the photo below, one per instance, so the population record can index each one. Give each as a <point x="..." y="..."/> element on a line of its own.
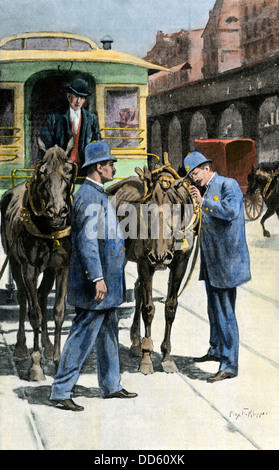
<point x="221" y="375"/>
<point x="68" y="404"/>
<point x="205" y="358"/>
<point x="122" y="394"/>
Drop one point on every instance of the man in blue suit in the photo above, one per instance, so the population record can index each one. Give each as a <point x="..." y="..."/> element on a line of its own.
<point x="96" y="284"/>
<point x="225" y="262"/>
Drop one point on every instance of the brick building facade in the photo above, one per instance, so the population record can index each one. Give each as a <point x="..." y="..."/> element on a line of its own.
<point x="260" y="29"/>
<point x="232" y="93"/>
<point x="238" y="33"/>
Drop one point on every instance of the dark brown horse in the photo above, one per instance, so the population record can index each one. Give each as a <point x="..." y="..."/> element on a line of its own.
<point x="35" y="229"/>
<point x="163" y="191"/>
<point x="266" y="178"/>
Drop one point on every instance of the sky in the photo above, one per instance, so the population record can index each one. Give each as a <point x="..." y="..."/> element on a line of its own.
<point x="132" y="24"/>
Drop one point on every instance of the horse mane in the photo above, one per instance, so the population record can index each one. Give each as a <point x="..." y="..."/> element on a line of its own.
<point x="268" y="166"/>
<point x="261" y="175"/>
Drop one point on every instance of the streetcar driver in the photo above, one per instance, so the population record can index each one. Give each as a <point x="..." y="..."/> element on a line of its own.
<point x="74" y="121"/>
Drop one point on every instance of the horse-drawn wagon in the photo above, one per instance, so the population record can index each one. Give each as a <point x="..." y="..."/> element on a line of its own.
<point x="259" y="182"/>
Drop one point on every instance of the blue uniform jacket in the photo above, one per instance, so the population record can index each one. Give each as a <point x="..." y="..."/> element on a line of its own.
<point x="95" y="254"/>
<point x="224" y="253"/>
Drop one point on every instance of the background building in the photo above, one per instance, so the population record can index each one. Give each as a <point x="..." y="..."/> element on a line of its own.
<point x="223" y="81"/>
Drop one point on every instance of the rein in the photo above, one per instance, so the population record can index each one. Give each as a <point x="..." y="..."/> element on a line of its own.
<point x="195" y="222"/>
<point x="195" y="257"/>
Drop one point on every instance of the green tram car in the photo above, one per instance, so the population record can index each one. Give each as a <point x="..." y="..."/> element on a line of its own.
<point x="35" y="69"/>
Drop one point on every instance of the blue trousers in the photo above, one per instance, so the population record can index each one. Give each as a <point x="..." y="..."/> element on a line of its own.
<point x="90" y="328"/>
<point x="224" y="337"/>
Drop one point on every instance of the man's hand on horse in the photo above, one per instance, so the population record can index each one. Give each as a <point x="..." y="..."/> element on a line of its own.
<point x="195" y="193"/>
<point x="101" y="290"/>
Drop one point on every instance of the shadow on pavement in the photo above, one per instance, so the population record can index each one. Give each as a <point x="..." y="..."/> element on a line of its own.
<point x="40" y="395"/>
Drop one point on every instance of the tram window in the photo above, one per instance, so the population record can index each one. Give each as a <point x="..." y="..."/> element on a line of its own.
<point x="122" y="119"/>
<point x="14" y="45"/>
<point x="77" y="45"/>
<point x="47" y="44"/>
<point x="6" y="116"/>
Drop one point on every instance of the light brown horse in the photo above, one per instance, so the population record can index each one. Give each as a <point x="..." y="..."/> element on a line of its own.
<point x="163" y="190"/>
<point x="35" y="229"/>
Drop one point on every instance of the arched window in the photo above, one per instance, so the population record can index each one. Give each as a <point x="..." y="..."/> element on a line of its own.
<point x="175" y="143"/>
<point x="231" y="125"/>
<point x="198" y="129"/>
<point x="269" y="130"/>
<point x="156" y="141"/>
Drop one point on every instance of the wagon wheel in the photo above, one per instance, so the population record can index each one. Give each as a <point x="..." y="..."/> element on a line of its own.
<point x="254" y="205"/>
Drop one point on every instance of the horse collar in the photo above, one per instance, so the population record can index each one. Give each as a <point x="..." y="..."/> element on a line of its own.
<point x="33" y="229"/>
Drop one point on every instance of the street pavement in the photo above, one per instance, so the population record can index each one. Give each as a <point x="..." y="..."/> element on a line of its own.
<point x="179" y="411"/>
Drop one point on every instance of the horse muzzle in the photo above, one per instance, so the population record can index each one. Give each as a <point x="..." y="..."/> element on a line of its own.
<point x="160" y="259"/>
<point x="57" y="220"/>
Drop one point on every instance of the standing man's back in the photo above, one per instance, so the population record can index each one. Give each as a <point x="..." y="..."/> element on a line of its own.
<point x="96" y="284"/>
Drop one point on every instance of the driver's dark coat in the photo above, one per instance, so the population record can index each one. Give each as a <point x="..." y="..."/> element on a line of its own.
<point x="58" y="130"/>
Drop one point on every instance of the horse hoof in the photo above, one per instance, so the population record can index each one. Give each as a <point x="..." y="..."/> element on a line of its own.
<point x="146" y="369"/>
<point x="169" y="366"/>
<point x="36" y="374"/>
<point x="135" y="350"/>
<point x="266" y="234"/>
<point x="20" y="351"/>
<point x="146" y="366"/>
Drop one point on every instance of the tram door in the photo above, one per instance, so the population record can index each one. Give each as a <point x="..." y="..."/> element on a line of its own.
<point x="49" y="94"/>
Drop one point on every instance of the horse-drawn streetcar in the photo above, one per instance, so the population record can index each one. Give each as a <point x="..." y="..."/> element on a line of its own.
<point x="35" y="70"/>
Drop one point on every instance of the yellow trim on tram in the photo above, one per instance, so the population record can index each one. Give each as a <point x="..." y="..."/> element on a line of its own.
<point x="12" y="152"/>
<point x="94" y="55"/>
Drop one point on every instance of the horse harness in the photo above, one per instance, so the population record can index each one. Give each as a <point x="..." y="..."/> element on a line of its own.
<point x="29" y="225"/>
<point x="26" y="216"/>
<point x="195" y="222"/>
<point x="165" y="182"/>
<point x="271" y="177"/>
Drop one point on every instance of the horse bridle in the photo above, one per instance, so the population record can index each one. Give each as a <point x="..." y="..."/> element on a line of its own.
<point x="41" y="212"/>
<point x="165" y="182"/>
<point x="195" y="222"/>
<point x="26" y="216"/>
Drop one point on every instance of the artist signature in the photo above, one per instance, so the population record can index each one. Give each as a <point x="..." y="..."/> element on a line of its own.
<point x="247" y="413"/>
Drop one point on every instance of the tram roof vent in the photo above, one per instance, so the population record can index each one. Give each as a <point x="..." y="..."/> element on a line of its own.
<point x="107" y="41"/>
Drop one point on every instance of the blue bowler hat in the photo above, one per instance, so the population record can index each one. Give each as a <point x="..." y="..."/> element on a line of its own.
<point x="97" y="152"/>
<point x="194" y="159"/>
